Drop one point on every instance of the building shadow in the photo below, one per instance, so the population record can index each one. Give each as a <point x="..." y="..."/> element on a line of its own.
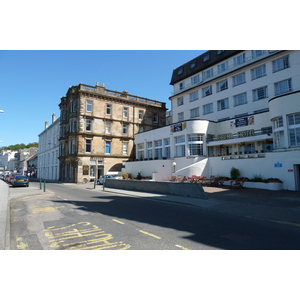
<point x="213" y="230"/>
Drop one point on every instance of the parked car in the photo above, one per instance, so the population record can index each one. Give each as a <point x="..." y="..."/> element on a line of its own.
<point x="20" y="180"/>
<point x="6" y="177"/>
<point x="11" y="176"/>
<point x="4" y="174"/>
<point x="103" y="178"/>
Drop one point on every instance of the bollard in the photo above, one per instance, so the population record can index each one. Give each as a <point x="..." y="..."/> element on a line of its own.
<point x="40" y="183"/>
<point x="103" y="185"/>
<point x="44" y="186"/>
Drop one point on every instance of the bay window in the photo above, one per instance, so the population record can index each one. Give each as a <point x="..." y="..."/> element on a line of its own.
<point x="294" y="129"/>
<point x="195" y="144"/>
<point x="278" y="132"/>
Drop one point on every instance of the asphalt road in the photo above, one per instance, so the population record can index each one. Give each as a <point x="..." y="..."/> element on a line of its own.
<point x="74" y="218"/>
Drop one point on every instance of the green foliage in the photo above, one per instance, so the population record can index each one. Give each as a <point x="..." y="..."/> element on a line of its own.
<point x="139" y="176"/>
<point x="126" y="175"/>
<point x="257" y="178"/>
<point x="18" y="147"/>
<point x="234" y="173"/>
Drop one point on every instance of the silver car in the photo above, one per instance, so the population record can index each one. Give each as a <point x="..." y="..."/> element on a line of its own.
<point x="103" y="178"/>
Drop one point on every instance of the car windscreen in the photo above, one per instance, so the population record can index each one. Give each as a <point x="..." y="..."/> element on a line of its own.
<point x="20" y="177"/>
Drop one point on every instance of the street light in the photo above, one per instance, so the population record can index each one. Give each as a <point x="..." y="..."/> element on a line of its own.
<point x="174" y="165"/>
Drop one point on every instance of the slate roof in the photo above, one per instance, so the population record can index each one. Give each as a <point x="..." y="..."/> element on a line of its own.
<point x="200" y="63"/>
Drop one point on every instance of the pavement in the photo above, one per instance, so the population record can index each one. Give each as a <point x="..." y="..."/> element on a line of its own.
<point x="275" y="206"/>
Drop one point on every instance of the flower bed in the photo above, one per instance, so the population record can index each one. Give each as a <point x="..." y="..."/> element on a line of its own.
<point x="273" y="186"/>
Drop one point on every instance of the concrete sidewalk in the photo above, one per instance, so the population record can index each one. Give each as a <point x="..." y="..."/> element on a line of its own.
<point x="4" y="214"/>
<point x="8" y="193"/>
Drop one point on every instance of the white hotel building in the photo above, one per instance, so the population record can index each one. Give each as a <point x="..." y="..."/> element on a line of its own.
<point x="237" y="108"/>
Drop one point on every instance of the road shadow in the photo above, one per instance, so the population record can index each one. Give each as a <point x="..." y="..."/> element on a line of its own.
<point x="214" y="229"/>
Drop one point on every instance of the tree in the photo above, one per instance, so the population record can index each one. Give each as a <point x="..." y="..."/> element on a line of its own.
<point x="17" y="147"/>
<point x="234" y="173"/>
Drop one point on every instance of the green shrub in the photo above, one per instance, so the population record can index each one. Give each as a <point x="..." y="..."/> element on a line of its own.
<point x="234" y="173"/>
<point x="257" y="178"/>
<point x="126" y="175"/>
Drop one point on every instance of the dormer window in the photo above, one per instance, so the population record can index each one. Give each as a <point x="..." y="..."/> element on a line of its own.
<point x="180" y="71"/>
<point x="206" y="57"/>
<point x="193" y="65"/>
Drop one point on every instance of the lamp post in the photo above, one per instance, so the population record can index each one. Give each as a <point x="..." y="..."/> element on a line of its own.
<point x="174" y="165"/>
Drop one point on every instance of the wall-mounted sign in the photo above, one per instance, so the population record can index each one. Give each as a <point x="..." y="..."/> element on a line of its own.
<point x="290" y="170"/>
<point x="240" y="134"/>
<point x="85" y="170"/>
<point x="226" y="136"/>
<point x="177" y="127"/>
<point x="278" y="164"/>
<point x="240" y="122"/>
<point x="246" y="133"/>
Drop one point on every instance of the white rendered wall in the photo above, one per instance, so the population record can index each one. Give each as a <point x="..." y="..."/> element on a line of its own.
<point x="251" y="106"/>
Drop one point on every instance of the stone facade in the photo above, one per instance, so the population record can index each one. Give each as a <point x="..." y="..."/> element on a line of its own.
<point x="98" y="127"/>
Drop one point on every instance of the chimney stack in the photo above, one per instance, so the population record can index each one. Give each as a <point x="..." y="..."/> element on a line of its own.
<point x="53" y="118"/>
<point x="46" y="124"/>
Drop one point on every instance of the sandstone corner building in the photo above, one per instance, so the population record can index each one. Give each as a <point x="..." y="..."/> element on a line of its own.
<point x="98" y="127"/>
<point x="229" y="109"/>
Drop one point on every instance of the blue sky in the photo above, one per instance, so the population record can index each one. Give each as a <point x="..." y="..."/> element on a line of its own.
<point x="32" y="82"/>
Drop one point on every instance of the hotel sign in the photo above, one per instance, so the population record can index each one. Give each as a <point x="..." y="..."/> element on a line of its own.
<point x="240" y="122"/>
<point x="246" y="133"/>
<point x="226" y="136"/>
<point x="177" y="127"/>
<point x="240" y="134"/>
